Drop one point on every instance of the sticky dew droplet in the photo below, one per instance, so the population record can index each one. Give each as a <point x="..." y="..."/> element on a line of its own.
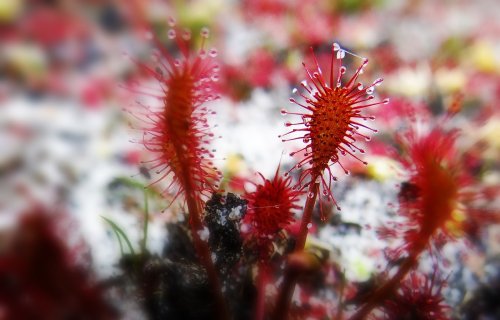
<point x="341" y="54"/>
<point x="171" y="21"/>
<point x="212" y="53"/>
<point x="171" y="34"/>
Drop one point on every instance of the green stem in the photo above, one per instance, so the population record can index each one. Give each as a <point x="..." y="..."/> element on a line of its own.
<point x="120" y="234"/>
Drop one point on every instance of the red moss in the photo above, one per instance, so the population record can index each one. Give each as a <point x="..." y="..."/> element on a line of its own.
<point x="178" y="131"/>
<point x="330" y="126"/>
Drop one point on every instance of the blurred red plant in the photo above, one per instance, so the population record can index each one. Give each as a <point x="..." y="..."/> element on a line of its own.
<point x="39" y="278"/>
<point x="257" y="8"/>
<point x="439" y="201"/>
<point x="430" y="200"/>
<point x="437" y="204"/>
<point x="52" y="26"/>
<point x="419" y="297"/>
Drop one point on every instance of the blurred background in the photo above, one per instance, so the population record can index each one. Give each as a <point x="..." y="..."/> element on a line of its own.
<point x="67" y="138"/>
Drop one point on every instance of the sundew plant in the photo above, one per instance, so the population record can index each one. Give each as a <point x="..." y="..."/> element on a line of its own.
<point x="256" y="160"/>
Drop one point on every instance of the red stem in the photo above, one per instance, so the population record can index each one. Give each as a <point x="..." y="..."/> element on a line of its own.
<point x="285" y="296"/>
<point x="290" y="279"/>
<point x="312" y="194"/>
<point x="203" y="251"/>
<point x="262" y="277"/>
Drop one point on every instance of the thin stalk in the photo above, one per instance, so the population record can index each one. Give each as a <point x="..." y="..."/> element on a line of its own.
<point x="290" y="278"/>
<point x="312" y="194"/>
<point x="262" y="278"/>
<point x="285" y="296"/>
<point x="203" y="251"/>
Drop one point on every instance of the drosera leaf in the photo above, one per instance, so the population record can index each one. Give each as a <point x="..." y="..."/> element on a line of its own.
<point x="120" y="234"/>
